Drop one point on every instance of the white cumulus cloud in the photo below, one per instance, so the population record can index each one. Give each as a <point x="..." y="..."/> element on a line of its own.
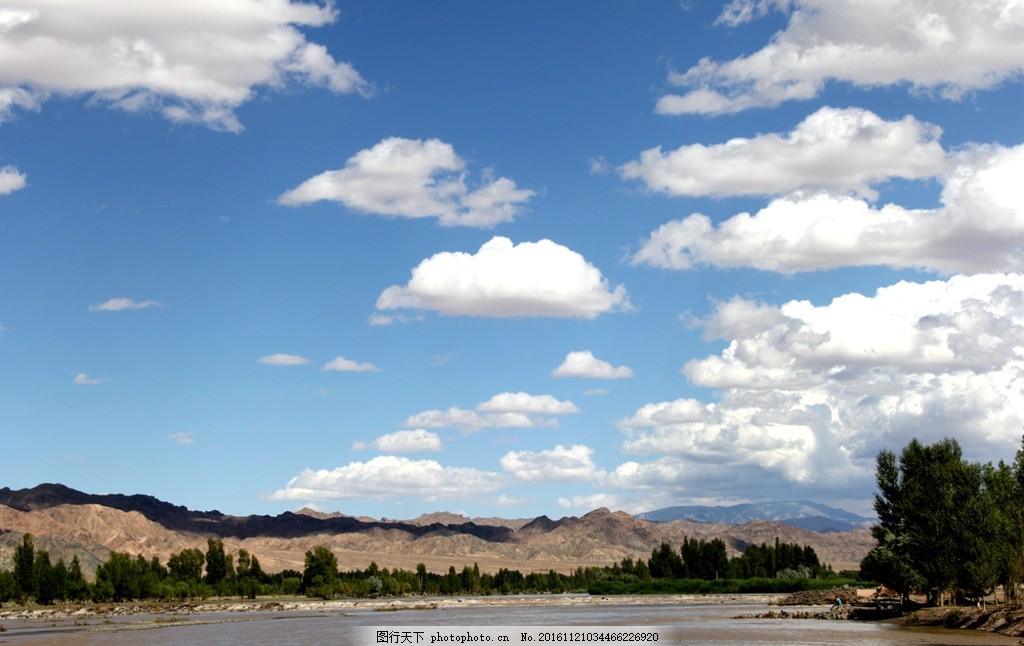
<point x="410" y="441"/>
<point x="341" y="364"/>
<point x="281" y="359"/>
<point x="182" y="438"/>
<point x="470" y="420"/>
<point x="413" y="178"/>
<point x="561" y="464"/>
<point x="522" y="402"/>
<point x="979" y="227"/>
<point x="583" y="363"/>
<point x="809" y="394"/>
<point x="386" y="476"/>
<point x="121" y="304"/>
<point x="83" y="379"/>
<point x="508" y="280"/>
<point x="596" y="501"/>
<point x="949" y="48"/>
<point x="189" y="61"/>
<point x="10" y="178"/>
<point x="504" y="410"/>
<point x="837" y="150"/>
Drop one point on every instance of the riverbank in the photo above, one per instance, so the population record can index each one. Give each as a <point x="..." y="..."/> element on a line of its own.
<point x="993" y="619"/>
<point x="122" y="616"/>
<point x="822" y="604"/>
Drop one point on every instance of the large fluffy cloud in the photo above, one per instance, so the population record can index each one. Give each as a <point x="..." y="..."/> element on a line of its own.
<point x="945" y="46"/>
<point x="386" y="476"/>
<point x="979" y="227"/>
<point x="190" y="61"/>
<point x="837" y="150"/>
<point x="507" y="280"/>
<point x="504" y="410"/>
<point x="811" y="393"/>
<point x="413" y="178"/>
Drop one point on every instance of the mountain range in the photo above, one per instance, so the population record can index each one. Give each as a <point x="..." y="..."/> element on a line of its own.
<point x="800" y="513"/>
<point x="67" y="522"/>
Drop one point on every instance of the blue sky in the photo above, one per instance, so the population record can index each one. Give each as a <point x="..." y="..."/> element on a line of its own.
<point x="506" y="259"/>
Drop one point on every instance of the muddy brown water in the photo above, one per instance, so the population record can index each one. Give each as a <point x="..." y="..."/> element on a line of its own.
<point x="705" y="622"/>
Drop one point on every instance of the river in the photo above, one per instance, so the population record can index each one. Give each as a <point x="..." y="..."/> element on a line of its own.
<point x="702" y="622"/>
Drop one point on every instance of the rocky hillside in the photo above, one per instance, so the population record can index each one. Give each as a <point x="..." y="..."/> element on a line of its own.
<point x="68" y="522"/>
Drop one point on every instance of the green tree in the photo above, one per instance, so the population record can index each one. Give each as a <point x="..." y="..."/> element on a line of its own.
<point x="320" y="572"/>
<point x="49" y="582"/>
<point x="244" y="567"/>
<point x="24" y="574"/>
<point x="1005" y="487"/>
<point x="665" y="563"/>
<point x="216" y="561"/>
<point x="943" y="522"/>
<point x="890" y="562"/>
<point x="8" y="586"/>
<point x="421" y="576"/>
<point x="186" y="565"/>
<point x="118" y="578"/>
<point x="76" y="588"/>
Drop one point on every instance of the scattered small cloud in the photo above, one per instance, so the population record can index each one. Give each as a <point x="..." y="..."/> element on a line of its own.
<point x="281" y="359"/>
<point x="591" y="502"/>
<point x="341" y="364"/>
<point x="582" y="363"/>
<point x="504" y="410"/>
<point x="523" y="402"/>
<point x="11" y="180"/>
<point x="182" y="438"/>
<point x="439" y="360"/>
<point x="121" y="304"/>
<point x="410" y="441"/>
<point x="506" y="500"/>
<point x="83" y="379"/>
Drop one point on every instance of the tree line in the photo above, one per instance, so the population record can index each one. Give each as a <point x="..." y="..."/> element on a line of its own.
<point x="192" y="574"/>
<point x="947" y="528"/>
<point x="707" y="560"/>
<point x="122" y="577"/>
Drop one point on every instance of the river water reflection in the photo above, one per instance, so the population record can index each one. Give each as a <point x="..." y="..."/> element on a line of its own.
<point x="713" y="624"/>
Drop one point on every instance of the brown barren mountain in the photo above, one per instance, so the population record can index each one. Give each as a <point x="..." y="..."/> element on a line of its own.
<point x="67" y="522"/>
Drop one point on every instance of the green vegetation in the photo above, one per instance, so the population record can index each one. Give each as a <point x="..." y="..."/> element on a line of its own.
<point x="123" y="577"/>
<point x="719" y="586"/>
<point x="702" y="567"/>
<point x="947" y="527"/>
<point x="699" y="567"/>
